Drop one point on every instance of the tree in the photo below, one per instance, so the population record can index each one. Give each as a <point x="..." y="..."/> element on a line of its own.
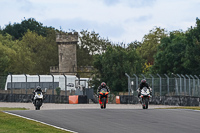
<point x="134" y="45"/>
<point x="170" y="55"/>
<point x="6" y="52"/>
<point x="114" y="63"/>
<point x="179" y="53"/>
<point x="34" y="54"/>
<point x="150" y="43"/>
<point x="90" y="44"/>
<point x="192" y="54"/>
<point x="18" y="30"/>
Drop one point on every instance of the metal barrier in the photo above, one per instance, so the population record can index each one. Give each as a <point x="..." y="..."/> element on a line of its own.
<point x="20" y="87"/>
<point x="164" y="85"/>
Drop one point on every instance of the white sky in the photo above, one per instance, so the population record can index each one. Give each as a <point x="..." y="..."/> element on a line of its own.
<point x="118" y="20"/>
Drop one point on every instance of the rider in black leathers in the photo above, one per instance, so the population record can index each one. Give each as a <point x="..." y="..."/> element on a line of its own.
<point x="143" y="84"/>
<point x="38" y="89"/>
<point x="103" y="85"/>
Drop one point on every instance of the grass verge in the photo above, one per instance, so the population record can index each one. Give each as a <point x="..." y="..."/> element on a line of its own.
<point x="183" y="107"/>
<point x="14" y="124"/>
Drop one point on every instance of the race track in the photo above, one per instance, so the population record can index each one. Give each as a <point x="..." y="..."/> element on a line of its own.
<point x="96" y="120"/>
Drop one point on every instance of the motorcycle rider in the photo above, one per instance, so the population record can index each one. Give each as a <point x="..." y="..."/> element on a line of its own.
<point x="38" y="89"/>
<point x="103" y="85"/>
<point x="143" y="83"/>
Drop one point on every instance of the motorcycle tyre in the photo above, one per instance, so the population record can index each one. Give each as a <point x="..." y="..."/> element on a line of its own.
<point x="104" y="102"/>
<point x="146" y="102"/>
<point x="37" y="105"/>
<point x="101" y="103"/>
<point x="143" y="103"/>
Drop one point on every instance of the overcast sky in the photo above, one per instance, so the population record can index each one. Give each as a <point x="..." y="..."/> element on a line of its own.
<point x="118" y="20"/>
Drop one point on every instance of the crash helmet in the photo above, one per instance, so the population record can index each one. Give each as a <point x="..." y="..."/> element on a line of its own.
<point x="143" y="81"/>
<point x="103" y="84"/>
<point x="38" y="88"/>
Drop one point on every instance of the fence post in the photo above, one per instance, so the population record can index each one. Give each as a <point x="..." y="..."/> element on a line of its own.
<point x="143" y="76"/>
<point x="189" y="84"/>
<point x="198" y="86"/>
<point x="136" y="81"/>
<point x="184" y="83"/>
<point x="52" y="88"/>
<point x="160" y="84"/>
<point x="11" y="96"/>
<point x="128" y="83"/>
<point x="167" y="83"/>
<point x="193" y="91"/>
<point x="65" y="84"/>
<point x="26" y="83"/>
<point x="176" y="83"/>
<point x="129" y="87"/>
<point x="152" y="82"/>
<point x="180" y="83"/>
<point x="39" y="79"/>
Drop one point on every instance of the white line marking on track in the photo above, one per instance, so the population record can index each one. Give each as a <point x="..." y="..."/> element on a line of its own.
<point x="40" y="122"/>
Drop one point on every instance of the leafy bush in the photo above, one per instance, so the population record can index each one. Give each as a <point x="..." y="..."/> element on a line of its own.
<point x="58" y="90"/>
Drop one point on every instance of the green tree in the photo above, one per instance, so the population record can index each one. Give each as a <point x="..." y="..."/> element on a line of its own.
<point x="134" y="45"/>
<point x="90" y="44"/>
<point x="114" y="63"/>
<point x="171" y="54"/>
<point x="179" y="53"/>
<point x="6" y="52"/>
<point x="192" y="54"/>
<point x="17" y="30"/>
<point x="34" y="54"/>
<point x="150" y="43"/>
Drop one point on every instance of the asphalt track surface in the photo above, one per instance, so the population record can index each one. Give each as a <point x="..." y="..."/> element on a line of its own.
<point x="118" y="120"/>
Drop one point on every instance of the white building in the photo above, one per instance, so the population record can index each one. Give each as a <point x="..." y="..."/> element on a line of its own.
<point x="45" y="81"/>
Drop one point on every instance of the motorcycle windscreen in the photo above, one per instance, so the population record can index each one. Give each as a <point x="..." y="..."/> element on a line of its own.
<point x="39" y="93"/>
<point x="103" y="90"/>
<point x="145" y="91"/>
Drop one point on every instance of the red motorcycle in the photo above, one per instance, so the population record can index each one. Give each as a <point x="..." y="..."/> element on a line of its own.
<point x="103" y="98"/>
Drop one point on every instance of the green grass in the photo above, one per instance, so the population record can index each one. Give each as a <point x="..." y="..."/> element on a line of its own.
<point x="7" y="109"/>
<point x="14" y="124"/>
<point x="184" y="107"/>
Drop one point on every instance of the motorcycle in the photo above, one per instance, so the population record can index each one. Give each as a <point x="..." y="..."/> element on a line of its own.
<point x="38" y="99"/>
<point x="103" y="98"/>
<point x="145" y="97"/>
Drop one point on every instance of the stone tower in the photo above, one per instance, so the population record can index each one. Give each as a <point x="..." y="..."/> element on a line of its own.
<point x="67" y="53"/>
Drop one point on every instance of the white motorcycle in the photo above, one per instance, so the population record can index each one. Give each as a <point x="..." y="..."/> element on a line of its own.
<point x="145" y="97"/>
<point x="38" y="99"/>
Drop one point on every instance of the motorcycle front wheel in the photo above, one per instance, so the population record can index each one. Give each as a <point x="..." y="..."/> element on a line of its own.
<point x="37" y="105"/>
<point x="104" y="102"/>
<point x="146" y="102"/>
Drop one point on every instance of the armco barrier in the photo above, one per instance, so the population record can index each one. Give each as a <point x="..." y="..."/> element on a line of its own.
<point x="47" y="98"/>
<point x="82" y="99"/>
<point x="126" y="99"/>
<point x="162" y="100"/>
<point x="78" y="99"/>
